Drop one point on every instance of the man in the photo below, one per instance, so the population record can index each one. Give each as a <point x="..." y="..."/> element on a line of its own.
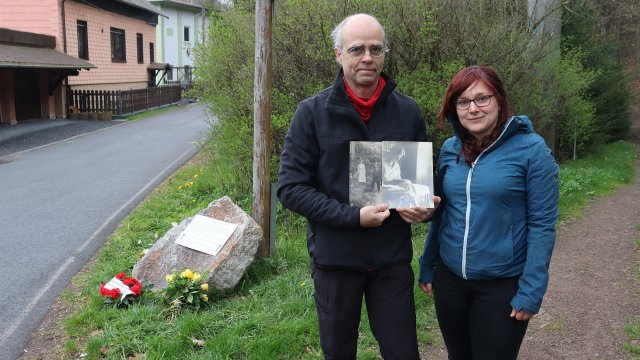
<point x="354" y="251"/>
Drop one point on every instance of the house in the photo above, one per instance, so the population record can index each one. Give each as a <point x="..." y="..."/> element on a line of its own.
<point x="115" y="39"/>
<point x="185" y="26"/>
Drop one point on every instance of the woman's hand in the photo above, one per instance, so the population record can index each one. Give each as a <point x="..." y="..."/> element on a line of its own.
<point x="418" y="214"/>
<point x="427" y="288"/>
<point x="521" y="315"/>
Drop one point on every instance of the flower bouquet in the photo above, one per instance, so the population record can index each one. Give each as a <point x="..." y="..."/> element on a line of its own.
<point x="122" y="290"/>
<point x="185" y="290"/>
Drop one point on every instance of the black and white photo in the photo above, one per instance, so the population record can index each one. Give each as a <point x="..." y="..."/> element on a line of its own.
<point x="398" y="173"/>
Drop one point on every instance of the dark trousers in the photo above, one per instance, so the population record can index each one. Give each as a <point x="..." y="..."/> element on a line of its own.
<point x="388" y="294"/>
<point x="474" y="316"/>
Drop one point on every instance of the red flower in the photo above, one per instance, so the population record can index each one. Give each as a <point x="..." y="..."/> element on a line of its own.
<point x="115" y="293"/>
<point x="112" y="293"/>
<point x="103" y="291"/>
<point x="136" y="289"/>
<point x="134" y="285"/>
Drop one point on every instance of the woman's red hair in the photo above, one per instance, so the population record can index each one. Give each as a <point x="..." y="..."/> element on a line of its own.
<point x="460" y="82"/>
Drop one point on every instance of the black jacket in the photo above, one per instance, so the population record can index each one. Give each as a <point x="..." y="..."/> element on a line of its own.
<point x="314" y="176"/>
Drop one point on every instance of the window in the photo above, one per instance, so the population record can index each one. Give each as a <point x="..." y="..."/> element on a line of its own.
<point x="118" y="53"/>
<point x="140" y="46"/>
<point x="186" y="34"/>
<point x="152" y="53"/>
<point x="83" y="41"/>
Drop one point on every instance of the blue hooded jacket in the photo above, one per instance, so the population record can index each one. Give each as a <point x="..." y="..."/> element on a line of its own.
<point x="498" y="216"/>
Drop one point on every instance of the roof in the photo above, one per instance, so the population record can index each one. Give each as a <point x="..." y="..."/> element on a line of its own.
<point x="141" y="4"/>
<point x="15" y="56"/>
<point x="159" y="66"/>
<point x="194" y="4"/>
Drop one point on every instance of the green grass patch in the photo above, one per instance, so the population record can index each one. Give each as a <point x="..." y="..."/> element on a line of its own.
<point x="271" y="314"/>
<point x="633" y="344"/>
<point x="596" y="175"/>
<point x="152" y="112"/>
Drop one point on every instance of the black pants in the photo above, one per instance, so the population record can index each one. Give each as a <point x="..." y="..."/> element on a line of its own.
<point x="390" y="307"/>
<point x="474" y="316"/>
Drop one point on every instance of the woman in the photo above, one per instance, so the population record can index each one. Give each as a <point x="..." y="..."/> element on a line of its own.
<point x="398" y="192"/>
<point x="488" y="249"/>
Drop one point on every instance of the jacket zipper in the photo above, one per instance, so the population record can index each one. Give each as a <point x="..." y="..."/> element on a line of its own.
<point x="467" y="219"/>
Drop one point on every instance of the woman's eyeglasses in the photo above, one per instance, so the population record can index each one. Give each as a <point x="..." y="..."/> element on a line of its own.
<point x="480" y="101"/>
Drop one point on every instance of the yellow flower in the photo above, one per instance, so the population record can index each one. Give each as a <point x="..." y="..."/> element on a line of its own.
<point x="204" y="297"/>
<point x="180" y="187"/>
<point x="196" y="277"/>
<point x="195" y="176"/>
<point x="186" y="274"/>
<point x="205" y="287"/>
<point x="169" y="278"/>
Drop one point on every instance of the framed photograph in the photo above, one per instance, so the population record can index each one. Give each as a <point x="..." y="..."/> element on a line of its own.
<point x="398" y="173"/>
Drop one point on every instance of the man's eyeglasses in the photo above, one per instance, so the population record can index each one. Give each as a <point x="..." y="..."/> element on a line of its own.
<point x="480" y="101"/>
<point x="358" y="51"/>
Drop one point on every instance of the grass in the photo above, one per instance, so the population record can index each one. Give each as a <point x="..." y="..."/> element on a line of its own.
<point x="633" y="335"/>
<point x="271" y="314"/>
<point x="596" y="175"/>
<point x="153" y="112"/>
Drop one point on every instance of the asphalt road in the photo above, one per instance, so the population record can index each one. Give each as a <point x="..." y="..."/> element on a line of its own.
<point x="60" y="201"/>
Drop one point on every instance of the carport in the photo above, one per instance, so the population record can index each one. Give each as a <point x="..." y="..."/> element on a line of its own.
<point x="32" y="73"/>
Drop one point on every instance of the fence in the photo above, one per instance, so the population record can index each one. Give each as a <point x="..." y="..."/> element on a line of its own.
<point x="123" y="102"/>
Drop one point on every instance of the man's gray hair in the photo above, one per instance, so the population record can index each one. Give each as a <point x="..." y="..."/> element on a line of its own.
<point x="336" y="34"/>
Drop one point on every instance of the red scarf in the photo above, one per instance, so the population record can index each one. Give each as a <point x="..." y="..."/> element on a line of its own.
<point x="365" y="106"/>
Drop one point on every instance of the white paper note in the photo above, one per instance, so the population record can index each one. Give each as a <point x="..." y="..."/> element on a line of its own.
<point x="206" y="235"/>
<point x="116" y="283"/>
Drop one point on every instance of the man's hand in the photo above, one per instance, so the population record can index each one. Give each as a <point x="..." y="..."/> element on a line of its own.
<point x="374" y="215"/>
<point x="417" y="214"/>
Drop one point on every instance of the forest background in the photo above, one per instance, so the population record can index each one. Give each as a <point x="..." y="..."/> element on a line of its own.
<point x="561" y="62"/>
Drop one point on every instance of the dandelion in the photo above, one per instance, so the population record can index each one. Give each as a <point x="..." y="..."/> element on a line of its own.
<point x="205" y="287"/>
<point x="169" y="278"/>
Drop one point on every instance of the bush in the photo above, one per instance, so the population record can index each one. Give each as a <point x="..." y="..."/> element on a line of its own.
<point x="429" y="42"/>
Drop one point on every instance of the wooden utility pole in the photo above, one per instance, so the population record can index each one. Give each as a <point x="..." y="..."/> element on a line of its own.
<point x="262" y="122"/>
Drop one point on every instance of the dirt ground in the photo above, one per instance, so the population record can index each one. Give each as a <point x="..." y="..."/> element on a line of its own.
<point x="593" y="291"/>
